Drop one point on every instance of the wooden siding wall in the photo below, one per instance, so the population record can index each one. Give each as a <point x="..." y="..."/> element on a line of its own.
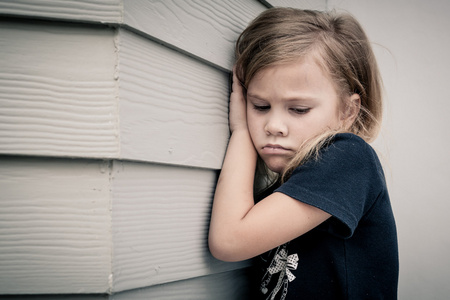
<point x="113" y="127"/>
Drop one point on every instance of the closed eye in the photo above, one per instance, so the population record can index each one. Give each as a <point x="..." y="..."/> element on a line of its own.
<point x="300" y="111"/>
<point x="261" y="107"/>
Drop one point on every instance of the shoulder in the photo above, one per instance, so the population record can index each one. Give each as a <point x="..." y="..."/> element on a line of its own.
<point x="344" y="181"/>
<point x="346" y="158"/>
<point x="345" y="163"/>
<point x="348" y="143"/>
<point x="347" y="150"/>
<point x="345" y="155"/>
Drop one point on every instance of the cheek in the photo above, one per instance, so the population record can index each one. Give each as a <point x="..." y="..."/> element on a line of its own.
<point x="336" y="121"/>
<point x="330" y="118"/>
<point x="252" y="125"/>
<point x="317" y="123"/>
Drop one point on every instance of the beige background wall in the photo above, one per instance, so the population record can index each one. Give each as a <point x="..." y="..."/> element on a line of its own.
<point x="412" y="42"/>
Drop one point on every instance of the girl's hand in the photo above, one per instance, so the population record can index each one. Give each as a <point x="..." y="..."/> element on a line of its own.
<point x="238" y="106"/>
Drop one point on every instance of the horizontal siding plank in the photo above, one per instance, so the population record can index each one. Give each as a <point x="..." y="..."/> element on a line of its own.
<point x="54" y="226"/>
<point x="173" y="109"/>
<point x="302" y="4"/>
<point x="231" y="285"/>
<point x="160" y="224"/>
<point x="56" y="297"/>
<point x="205" y="29"/>
<point x="103" y="11"/>
<point x="57" y="90"/>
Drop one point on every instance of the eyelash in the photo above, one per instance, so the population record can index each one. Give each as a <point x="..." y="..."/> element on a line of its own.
<point x="299" y="111"/>
<point x="261" y="107"/>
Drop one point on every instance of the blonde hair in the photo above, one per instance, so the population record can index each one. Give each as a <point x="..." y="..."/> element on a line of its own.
<point x="339" y="46"/>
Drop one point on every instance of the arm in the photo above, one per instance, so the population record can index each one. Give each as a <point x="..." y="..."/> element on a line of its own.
<point x="240" y="229"/>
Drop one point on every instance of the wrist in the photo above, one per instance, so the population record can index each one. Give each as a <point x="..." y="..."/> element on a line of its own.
<point x="240" y="138"/>
<point x="241" y="126"/>
<point x="240" y="130"/>
<point x="243" y="135"/>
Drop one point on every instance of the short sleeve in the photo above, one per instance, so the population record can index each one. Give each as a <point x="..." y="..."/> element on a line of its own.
<point x="345" y="182"/>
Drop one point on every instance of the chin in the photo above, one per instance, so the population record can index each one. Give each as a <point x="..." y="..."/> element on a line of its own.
<point x="276" y="166"/>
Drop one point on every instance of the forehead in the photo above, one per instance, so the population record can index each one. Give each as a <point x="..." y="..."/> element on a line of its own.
<point x="301" y="78"/>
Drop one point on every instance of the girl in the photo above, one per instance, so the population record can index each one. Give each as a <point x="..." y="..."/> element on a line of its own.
<point x="306" y="99"/>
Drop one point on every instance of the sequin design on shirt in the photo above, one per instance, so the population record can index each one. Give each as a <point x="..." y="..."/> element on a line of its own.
<point x="282" y="264"/>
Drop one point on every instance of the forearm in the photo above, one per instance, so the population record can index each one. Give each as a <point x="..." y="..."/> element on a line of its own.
<point x="234" y="192"/>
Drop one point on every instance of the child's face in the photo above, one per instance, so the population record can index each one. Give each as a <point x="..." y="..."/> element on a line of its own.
<point x="287" y="104"/>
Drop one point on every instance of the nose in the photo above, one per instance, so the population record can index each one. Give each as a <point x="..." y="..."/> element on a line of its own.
<point x="276" y="126"/>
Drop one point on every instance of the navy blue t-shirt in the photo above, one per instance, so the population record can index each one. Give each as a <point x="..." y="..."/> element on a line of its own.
<point x="352" y="255"/>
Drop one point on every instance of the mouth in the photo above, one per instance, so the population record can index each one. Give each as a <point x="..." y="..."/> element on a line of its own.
<point x="274" y="149"/>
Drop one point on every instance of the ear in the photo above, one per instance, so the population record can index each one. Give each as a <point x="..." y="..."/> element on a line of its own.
<point x="351" y="109"/>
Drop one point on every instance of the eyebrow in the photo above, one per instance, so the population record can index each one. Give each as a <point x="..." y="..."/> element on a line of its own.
<point x="289" y="99"/>
<point x="255" y="96"/>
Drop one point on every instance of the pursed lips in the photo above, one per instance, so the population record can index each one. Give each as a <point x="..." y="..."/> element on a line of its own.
<point x="274" y="149"/>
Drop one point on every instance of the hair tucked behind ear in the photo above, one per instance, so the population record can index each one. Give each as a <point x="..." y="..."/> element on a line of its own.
<point x="339" y="46"/>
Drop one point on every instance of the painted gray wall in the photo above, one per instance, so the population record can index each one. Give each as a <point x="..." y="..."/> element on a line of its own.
<point x="412" y="42"/>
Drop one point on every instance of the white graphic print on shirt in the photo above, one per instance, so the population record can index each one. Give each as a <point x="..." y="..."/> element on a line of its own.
<point x="282" y="263"/>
